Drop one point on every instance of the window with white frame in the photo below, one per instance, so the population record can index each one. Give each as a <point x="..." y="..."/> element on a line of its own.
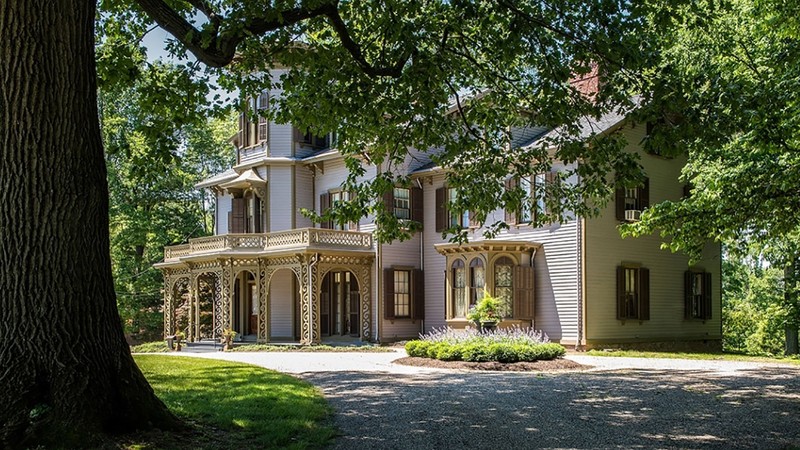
<point x="402" y="203"/>
<point x="402" y="293"/>
<point x="263" y="124"/>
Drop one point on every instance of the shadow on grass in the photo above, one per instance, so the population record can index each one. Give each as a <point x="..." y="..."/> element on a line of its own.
<point x="624" y="409"/>
<point x="234" y="405"/>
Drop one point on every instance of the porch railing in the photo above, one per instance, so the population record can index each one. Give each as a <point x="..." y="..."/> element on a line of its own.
<point x="299" y="237"/>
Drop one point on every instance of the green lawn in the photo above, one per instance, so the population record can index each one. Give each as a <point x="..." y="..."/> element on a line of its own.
<point x="233" y="405"/>
<point x="681" y="355"/>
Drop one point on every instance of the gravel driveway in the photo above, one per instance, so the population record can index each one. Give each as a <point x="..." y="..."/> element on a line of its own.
<point x="640" y="403"/>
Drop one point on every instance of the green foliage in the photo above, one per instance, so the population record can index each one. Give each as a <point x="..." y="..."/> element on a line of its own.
<point x="479" y="350"/>
<point x="151" y="347"/>
<point x="754" y="311"/>
<point x="487" y="310"/>
<point x="252" y="407"/>
<point x="153" y="201"/>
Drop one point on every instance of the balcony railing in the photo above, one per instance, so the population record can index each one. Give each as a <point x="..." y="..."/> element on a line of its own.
<point x="281" y="240"/>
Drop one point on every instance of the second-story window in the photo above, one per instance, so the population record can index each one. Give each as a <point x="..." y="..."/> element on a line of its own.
<point x="263" y="123"/>
<point x="402" y="203"/>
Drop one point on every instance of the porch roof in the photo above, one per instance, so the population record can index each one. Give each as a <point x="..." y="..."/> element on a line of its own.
<point x="489" y="245"/>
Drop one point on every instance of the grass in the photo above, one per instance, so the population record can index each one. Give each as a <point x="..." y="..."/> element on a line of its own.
<point x="311" y="348"/>
<point x="233" y="405"/>
<point x="690" y="355"/>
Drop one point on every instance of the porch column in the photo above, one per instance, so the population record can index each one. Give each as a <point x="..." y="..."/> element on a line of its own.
<point x="264" y="275"/>
<point x="364" y="283"/>
<point x="309" y="300"/>
<point x="194" y="308"/>
<point x="169" y="306"/>
<point x="226" y="282"/>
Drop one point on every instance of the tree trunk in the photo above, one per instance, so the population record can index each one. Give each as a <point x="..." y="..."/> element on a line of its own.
<point x="65" y="369"/>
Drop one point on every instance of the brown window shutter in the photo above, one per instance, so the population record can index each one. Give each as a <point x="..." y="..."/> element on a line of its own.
<point x="644" y="195"/>
<point x="707" y="303"/>
<point x="619" y="203"/>
<point x="388" y="201"/>
<point x="242" y="125"/>
<point x="324" y="205"/>
<point x="511" y="216"/>
<point x="441" y="209"/>
<point x="622" y="311"/>
<point x="523" y="292"/>
<point x="418" y="281"/>
<point x="416" y="205"/>
<point x="238" y="212"/>
<point x="644" y="294"/>
<point x="388" y="294"/>
<point x="257" y="213"/>
<point x="688" y="281"/>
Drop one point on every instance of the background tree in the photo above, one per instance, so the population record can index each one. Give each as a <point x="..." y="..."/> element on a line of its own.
<point x="153" y="201"/>
<point x="727" y="93"/>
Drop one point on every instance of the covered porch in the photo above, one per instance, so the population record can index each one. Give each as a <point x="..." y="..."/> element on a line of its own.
<point x="300" y="285"/>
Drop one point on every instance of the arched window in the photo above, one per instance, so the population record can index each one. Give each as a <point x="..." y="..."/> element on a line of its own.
<point x="458" y="283"/>
<point x="477" y="281"/>
<point x="504" y="285"/>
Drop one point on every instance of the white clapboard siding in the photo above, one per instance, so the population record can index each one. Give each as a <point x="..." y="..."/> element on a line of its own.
<point x="223" y="208"/>
<point x="605" y="250"/>
<point x="280" y="198"/>
<point x="404" y="254"/>
<point x="281" y="304"/>
<point x="303" y="194"/>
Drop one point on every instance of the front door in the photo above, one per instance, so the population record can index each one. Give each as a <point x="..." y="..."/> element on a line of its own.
<point x="339" y="305"/>
<point x="252" y="294"/>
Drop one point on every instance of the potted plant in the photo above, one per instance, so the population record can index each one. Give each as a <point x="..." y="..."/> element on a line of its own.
<point x="227" y="338"/>
<point x="179" y="337"/>
<point x="486" y="314"/>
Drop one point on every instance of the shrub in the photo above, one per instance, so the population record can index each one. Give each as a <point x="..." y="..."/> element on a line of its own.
<point x="505" y="346"/>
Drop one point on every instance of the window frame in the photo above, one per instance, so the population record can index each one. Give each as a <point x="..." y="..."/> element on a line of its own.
<point x="507" y="301"/>
<point x="398" y="198"/>
<point x="407" y="295"/>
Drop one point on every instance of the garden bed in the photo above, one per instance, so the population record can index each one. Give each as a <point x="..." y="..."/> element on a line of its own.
<point x="536" y="366"/>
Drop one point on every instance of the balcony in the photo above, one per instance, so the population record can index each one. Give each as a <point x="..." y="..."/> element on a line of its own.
<point x="300" y="239"/>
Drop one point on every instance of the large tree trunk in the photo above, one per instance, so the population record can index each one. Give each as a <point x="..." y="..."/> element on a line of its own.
<point x="66" y="373"/>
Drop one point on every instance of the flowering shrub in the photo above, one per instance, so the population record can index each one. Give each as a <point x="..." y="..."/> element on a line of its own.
<point x="504" y="345"/>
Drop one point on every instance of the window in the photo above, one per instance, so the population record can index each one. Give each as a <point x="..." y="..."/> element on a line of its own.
<point x="335" y="198"/>
<point x="458" y="282"/>
<point x="630" y="201"/>
<point x="309" y="139"/>
<point x="633" y="293"/>
<point x="402" y="203"/>
<point x="263" y="124"/>
<point x="477" y="281"/>
<point x="526" y="213"/>
<point x="698" y="295"/>
<point x="457" y="219"/>
<point x="504" y="285"/>
<point x="402" y="293"/>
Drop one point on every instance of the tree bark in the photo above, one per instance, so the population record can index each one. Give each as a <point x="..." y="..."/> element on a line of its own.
<point x="65" y="369"/>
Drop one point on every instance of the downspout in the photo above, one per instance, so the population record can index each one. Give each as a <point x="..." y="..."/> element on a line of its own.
<point x="580" y="279"/>
<point x="378" y="289"/>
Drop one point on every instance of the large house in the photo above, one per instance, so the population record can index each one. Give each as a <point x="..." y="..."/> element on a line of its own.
<point x="271" y="275"/>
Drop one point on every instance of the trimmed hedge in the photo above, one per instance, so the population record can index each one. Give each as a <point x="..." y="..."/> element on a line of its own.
<point x="483" y="352"/>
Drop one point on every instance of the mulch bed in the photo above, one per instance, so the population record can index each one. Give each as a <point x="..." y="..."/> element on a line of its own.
<point x="538" y="366"/>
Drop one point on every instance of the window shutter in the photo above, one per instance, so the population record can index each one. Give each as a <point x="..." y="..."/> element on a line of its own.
<point x="417" y="212"/>
<point x="687" y="190"/>
<point x="441" y="209"/>
<point x="230" y="221"/>
<point x="388" y="201"/>
<point x="511" y="216"/>
<point x="418" y="281"/>
<point x="352" y="226"/>
<point x="688" y="281"/>
<point x="324" y="205"/>
<point x="242" y="126"/>
<point x="620" y="203"/>
<point x="644" y="194"/>
<point x="707" y="303"/>
<point x="523" y="292"/>
<point x="388" y="294"/>
<point x="622" y="312"/>
<point x="257" y="215"/>
<point x="238" y="211"/>
<point x="644" y="294"/>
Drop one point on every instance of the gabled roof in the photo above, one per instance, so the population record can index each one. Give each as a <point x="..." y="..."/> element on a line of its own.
<point x="215" y="180"/>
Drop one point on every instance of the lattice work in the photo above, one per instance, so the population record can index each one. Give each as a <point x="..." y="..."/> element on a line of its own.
<point x="169" y="308"/>
<point x="287" y="238"/>
<point x="255" y="241"/>
<point x="305" y="326"/>
<point x="264" y="275"/>
<point x="313" y="270"/>
<point x="209" y="243"/>
<point x="226" y="281"/>
<point x="176" y="251"/>
<point x="290" y="262"/>
<point x="199" y="268"/>
<point x="340" y="238"/>
<point x="363" y="273"/>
